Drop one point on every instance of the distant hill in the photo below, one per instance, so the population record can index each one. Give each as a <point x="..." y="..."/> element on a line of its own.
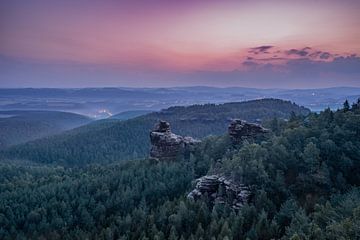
<point x="22" y="126"/>
<point x="121" y="140"/>
<point x="130" y="114"/>
<point x="101" y="101"/>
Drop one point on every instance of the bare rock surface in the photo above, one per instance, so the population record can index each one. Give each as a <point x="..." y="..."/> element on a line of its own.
<point x="166" y="145"/>
<point x="239" y="130"/>
<point x="221" y="190"/>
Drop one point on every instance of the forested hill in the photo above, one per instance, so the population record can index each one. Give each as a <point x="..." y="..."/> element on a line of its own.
<point x="113" y="141"/>
<point x="130" y="114"/>
<point x="304" y="178"/>
<point x="21" y="126"/>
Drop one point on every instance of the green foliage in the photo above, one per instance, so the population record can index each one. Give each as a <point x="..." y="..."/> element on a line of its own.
<point x="116" y="199"/>
<point x="110" y="141"/>
<point x="21" y="126"/>
<point x="246" y="165"/>
<point x="346" y="106"/>
<point x="130" y="114"/>
<point x="303" y="178"/>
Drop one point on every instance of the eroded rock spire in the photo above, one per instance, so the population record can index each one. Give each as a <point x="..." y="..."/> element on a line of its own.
<point x="166" y="145"/>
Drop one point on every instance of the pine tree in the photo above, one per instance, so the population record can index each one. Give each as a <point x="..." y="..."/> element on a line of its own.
<point x="346" y="106"/>
<point x="300" y="225"/>
<point x="295" y="237"/>
<point x="311" y="157"/>
<point x="225" y="231"/>
<point x="262" y="226"/>
<point x="275" y="126"/>
<point x="173" y="234"/>
<point x="199" y="232"/>
<point x="356" y="106"/>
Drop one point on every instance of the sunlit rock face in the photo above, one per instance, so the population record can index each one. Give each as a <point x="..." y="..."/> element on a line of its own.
<point x="239" y="130"/>
<point x="219" y="189"/>
<point x="166" y="145"/>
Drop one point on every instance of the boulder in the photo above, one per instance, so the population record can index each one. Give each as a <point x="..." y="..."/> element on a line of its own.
<point x="239" y="130"/>
<point x="166" y="145"/>
<point x="221" y="190"/>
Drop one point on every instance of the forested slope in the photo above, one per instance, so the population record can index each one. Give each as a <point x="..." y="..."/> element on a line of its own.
<point x="22" y="126"/>
<point x="130" y="114"/>
<point x="129" y="139"/>
<point x="304" y="179"/>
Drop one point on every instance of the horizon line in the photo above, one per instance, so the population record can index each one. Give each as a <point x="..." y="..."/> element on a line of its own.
<point x="190" y="86"/>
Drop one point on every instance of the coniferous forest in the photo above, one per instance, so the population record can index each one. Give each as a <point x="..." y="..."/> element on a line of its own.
<point x="179" y="120"/>
<point x="303" y="175"/>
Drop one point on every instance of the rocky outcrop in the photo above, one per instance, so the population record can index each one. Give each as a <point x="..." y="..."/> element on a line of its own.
<point x="221" y="190"/>
<point x="166" y="145"/>
<point x="240" y="130"/>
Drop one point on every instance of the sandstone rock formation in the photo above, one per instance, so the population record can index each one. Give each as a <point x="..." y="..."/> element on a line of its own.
<point x="166" y="145"/>
<point x="221" y="190"/>
<point x="240" y="130"/>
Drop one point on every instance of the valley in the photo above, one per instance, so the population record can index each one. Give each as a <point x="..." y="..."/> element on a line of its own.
<point x="20" y="126"/>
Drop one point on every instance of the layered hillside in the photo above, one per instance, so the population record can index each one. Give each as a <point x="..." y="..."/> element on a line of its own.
<point x="122" y="140"/>
<point x="22" y="126"/>
<point x="303" y="180"/>
<point x="130" y="114"/>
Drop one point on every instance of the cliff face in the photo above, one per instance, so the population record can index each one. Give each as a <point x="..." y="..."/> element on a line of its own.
<point x="166" y="145"/>
<point x="239" y="130"/>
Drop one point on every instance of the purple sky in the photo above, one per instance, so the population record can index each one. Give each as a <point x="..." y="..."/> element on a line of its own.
<point x="164" y="43"/>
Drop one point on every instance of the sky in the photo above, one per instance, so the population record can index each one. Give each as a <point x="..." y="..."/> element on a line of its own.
<point x="166" y="43"/>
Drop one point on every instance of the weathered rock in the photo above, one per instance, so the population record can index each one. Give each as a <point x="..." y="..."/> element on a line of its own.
<point x="166" y="145"/>
<point x="221" y="190"/>
<point x="163" y="127"/>
<point x="240" y="130"/>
